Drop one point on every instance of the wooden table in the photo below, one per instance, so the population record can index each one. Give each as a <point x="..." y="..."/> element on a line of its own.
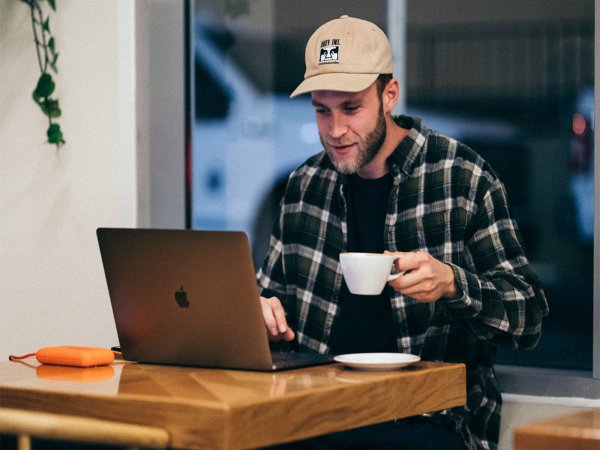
<point x="580" y="431"/>
<point x="210" y="408"/>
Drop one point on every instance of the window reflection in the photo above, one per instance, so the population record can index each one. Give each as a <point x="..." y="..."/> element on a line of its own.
<point x="519" y="91"/>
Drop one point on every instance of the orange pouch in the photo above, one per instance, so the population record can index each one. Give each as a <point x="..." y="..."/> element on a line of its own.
<point x="75" y="356"/>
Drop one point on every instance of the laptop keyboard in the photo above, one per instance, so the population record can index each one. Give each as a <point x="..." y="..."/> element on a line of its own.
<point x="282" y="359"/>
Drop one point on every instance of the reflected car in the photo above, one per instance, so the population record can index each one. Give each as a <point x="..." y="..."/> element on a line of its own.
<point x="243" y="139"/>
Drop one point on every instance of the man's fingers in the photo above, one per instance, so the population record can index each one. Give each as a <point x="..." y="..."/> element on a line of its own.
<point x="289" y="335"/>
<point x="279" y="314"/>
<point x="268" y="316"/>
<point x="275" y="320"/>
<point x="426" y="279"/>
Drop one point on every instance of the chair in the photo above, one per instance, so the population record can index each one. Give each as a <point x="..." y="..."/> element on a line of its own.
<point x="27" y="424"/>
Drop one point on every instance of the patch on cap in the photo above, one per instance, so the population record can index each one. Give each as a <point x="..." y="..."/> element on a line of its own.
<point x="330" y="52"/>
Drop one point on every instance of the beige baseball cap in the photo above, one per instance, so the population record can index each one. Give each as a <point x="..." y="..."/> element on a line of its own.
<point x="345" y="54"/>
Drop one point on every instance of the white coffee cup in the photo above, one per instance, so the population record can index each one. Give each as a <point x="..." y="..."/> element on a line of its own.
<point x="367" y="273"/>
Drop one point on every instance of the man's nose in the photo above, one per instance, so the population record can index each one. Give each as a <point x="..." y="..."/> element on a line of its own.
<point x="337" y="126"/>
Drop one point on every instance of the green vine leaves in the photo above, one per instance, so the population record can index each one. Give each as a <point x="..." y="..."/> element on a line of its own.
<point x="47" y="57"/>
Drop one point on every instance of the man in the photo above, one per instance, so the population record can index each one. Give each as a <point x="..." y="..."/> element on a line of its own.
<point x="390" y="184"/>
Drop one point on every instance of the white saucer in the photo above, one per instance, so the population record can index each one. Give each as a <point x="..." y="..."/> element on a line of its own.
<point x="377" y="361"/>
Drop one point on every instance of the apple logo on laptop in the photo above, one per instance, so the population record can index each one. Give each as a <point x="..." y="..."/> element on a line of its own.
<point x="181" y="298"/>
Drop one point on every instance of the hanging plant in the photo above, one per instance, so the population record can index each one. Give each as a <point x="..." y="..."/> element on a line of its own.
<point x="47" y="56"/>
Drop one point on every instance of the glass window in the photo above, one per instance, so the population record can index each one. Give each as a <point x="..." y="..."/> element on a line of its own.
<point x="516" y="88"/>
<point x="248" y="134"/>
<point x="520" y="92"/>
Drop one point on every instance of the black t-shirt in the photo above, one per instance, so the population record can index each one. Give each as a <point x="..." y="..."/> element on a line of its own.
<point x="365" y="323"/>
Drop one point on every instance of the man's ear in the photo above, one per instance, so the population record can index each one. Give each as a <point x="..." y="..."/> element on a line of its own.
<point x="389" y="96"/>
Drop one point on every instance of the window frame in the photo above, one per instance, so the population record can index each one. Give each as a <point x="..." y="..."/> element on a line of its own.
<point x="156" y="173"/>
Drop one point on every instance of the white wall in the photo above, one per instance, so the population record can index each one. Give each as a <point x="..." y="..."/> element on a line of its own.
<point x="52" y="290"/>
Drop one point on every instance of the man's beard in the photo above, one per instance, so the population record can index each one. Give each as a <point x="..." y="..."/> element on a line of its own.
<point x="367" y="148"/>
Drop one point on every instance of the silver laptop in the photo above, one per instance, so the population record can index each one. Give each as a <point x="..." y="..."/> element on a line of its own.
<point x="189" y="298"/>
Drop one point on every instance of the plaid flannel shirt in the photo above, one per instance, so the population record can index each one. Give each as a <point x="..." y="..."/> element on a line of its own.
<point x="447" y="201"/>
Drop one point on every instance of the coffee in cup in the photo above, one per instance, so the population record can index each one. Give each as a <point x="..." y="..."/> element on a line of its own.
<point x="368" y="273"/>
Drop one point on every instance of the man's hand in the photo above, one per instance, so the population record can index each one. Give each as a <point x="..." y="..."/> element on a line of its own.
<point x="275" y="321"/>
<point x="426" y="279"/>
